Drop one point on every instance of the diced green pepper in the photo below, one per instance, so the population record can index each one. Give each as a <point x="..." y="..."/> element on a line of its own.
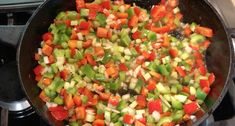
<point x="84" y="12"/>
<point x="200" y="94"/>
<point x="72" y="15"/>
<point x="88" y="71"/>
<point x="59" y="52"/>
<point x="122" y="76"/>
<point x="177" y="115"/>
<point x="150" y="119"/>
<point x="176" y="104"/>
<point x="48" y="75"/>
<point x="58" y="100"/>
<point x="122" y="104"/>
<point x="130" y="12"/>
<point x="152" y="36"/>
<point x="162" y="69"/>
<point x="125" y="40"/>
<point x="100" y="77"/>
<point x="72" y="90"/>
<point x="197" y="38"/>
<point x="61" y="16"/>
<point x="84" y="99"/>
<point x="101" y="18"/>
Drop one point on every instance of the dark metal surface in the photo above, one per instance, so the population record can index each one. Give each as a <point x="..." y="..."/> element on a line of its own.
<point x="219" y="54"/>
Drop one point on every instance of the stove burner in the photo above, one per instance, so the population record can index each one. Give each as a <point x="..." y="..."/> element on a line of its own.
<point x="15" y="105"/>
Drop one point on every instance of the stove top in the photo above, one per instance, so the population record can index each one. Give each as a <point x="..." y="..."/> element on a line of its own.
<point x="15" y="108"/>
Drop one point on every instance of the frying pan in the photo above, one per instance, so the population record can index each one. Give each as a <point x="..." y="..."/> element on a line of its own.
<point x="219" y="55"/>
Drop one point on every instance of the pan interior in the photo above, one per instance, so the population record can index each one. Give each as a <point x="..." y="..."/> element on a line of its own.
<point x="218" y="56"/>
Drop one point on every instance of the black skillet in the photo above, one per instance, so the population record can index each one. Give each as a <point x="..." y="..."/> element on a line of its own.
<point x="219" y="56"/>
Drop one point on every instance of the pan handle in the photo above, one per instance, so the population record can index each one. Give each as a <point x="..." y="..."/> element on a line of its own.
<point x="11" y="34"/>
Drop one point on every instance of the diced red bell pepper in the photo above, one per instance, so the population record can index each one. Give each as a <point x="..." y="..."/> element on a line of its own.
<point x="90" y="59"/>
<point x="59" y="113"/>
<point x="77" y="100"/>
<point x="84" y="25"/>
<point x="69" y="101"/>
<point x="187" y="31"/>
<point x="128" y="119"/>
<point x="123" y="67"/>
<point x="137" y="10"/>
<point x="141" y="100"/>
<point x="206" y="90"/>
<point x="38" y="70"/>
<point x="144" y="91"/>
<point x="98" y="122"/>
<point x="67" y="23"/>
<point x="114" y="100"/>
<point x="173" y="53"/>
<point x="155" y="105"/>
<point x="72" y="51"/>
<point x="47" y="50"/>
<point x="47" y="36"/>
<point x="137" y="48"/>
<point x="104" y="96"/>
<point x="80" y="112"/>
<point x="102" y="32"/>
<point x="161" y="30"/>
<point x="190" y="108"/>
<point x="204" y="83"/>
<point x="136" y="35"/>
<point x="173" y="3"/>
<point x="92" y="14"/>
<point x="99" y="51"/>
<point x="106" y="4"/>
<point x="133" y="21"/>
<point x="92" y="102"/>
<point x="158" y="12"/>
<point x="64" y="74"/>
<point x="202" y="70"/>
<point x="138" y="123"/>
<point x="211" y="78"/>
<point x="145" y="54"/>
<point x="204" y="31"/>
<point x="88" y="93"/>
<point x="151" y="84"/>
<point x="80" y="4"/>
<point x="152" y="56"/>
<point x="87" y="44"/>
<point x="43" y="97"/>
<point x="206" y="44"/>
<point x="93" y="6"/>
<point x="181" y="72"/>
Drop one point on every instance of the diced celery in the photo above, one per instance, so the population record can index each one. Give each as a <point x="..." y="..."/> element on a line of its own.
<point x="61" y="16"/>
<point x="176" y="104"/>
<point x="84" y="12"/>
<point x="88" y="71"/>
<point x="58" y="100"/>
<point x="163" y="89"/>
<point x="59" y="52"/>
<point x="125" y="40"/>
<point x="176" y="116"/>
<point x="72" y="15"/>
<point x="101" y="18"/>
<point x="84" y="99"/>
<point x="197" y="38"/>
<point x="122" y="104"/>
<point x="181" y="98"/>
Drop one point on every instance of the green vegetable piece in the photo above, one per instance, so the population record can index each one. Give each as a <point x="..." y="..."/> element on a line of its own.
<point x="200" y="94"/>
<point x="72" y="90"/>
<point x="84" y="12"/>
<point x="162" y="69"/>
<point x="197" y="38"/>
<point x="150" y="119"/>
<point x="130" y="12"/>
<point x="59" y="52"/>
<point x="114" y="117"/>
<point x="176" y="104"/>
<point x="61" y="16"/>
<point x="122" y="76"/>
<point x="122" y="104"/>
<point x="100" y="77"/>
<point x="125" y="40"/>
<point x="84" y="99"/>
<point x="178" y="115"/>
<point x="50" y="93"/>
<point x="107" y="58"/>
<point x="152" y="36"/>
<point x="164" y="120"/>
<point x="88" y="71"/>
<point x="118" y="124"/>
<point x="72" y="15"/>
<point x="58" y="100"/>
<point x="78" y="55"/>
<point x="48" y="75"/>
<point x="101" y="18"/>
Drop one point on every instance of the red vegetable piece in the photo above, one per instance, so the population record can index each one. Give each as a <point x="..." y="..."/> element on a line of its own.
<point x="137" y="10"/>
<point x="133" y="21"/>
<point x="181" y="72"/>
<point x="87" y="44"/>
<point x="211" y="78"/>
<point x="47" y="36"/>
<point x="84" y="25"/>
<point x="204" y="83"/>
<point x="158" y="12"/>
<point x="173" y="53"/>
<point x="92" y="14"/>
<point x="204" y="31"/>
<point x="80" y="112"/>
<point x="80" y="4"/>
<point x="123" y="67"/>
<point x="136" y="35"/>
<point x="38" y="70"/>
<point x="59" y="113"/>
<point x="90" y="59"/>
<point x="69" y="101"/>
<point x="155" y="105"/>
<point x="114" y="101"/>
<point x="190" y="108"/>
<point x="106" y="4"/>
<point x="152" y="56"/>
<point x="128" y="119"/>
<point x="151" y="84"/>
<point x="98" y="122"/>
<point x="202" y="70"/>
<point x="64" y="74"/>
<point x="141" y="100"/>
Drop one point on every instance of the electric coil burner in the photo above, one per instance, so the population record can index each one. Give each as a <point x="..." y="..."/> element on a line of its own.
<point x="14" y="107"/>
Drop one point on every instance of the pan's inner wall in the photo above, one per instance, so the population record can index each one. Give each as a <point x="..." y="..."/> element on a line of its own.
<point x="218" y="54"/>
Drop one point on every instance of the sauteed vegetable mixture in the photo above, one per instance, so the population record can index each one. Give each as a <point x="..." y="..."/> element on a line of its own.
<point x="111" y="63"/>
